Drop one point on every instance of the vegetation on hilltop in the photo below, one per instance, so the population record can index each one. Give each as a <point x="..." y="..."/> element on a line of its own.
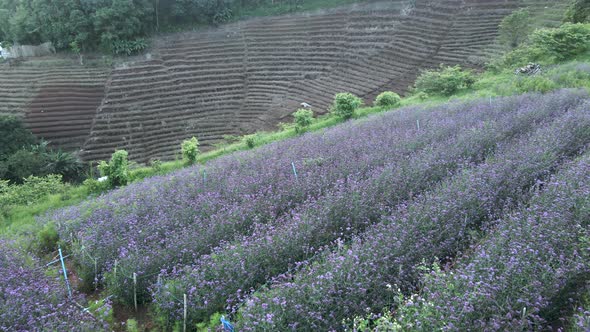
<point x="121" y="26"/>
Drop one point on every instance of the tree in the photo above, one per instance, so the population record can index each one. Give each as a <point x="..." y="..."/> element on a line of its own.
<point x="13" y="136"/>
<point x="303" y="119"/>
<point x="345" y="104"/>
<point x="116" y="170"/>
<point x="515" y="28"/>
<point x="578" y="12"/>
<point x="387" y="99"/>
<point x="123" y="20"/>
<point x="190" y="150"/>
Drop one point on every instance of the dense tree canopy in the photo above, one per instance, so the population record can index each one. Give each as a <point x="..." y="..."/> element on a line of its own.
<point x="109" y="25"/>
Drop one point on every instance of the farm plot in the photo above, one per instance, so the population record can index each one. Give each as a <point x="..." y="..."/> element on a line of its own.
<point x="342" y="212"/>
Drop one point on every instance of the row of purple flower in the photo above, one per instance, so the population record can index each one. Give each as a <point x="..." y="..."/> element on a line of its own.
<point x="232" y="270"/>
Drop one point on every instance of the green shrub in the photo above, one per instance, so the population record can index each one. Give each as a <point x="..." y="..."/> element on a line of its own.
<point x="534" y="84"/>
<point x="251" y="140"/>
<point x="129" y="47"/>
<point x="445" y="81"/>
<point x="303" y="119"/>
<point x="94" y="186"/>
<point x="212" y="325"/>
<point x="571" y="75"/>
<point x="517" y="58"/>
<point x="564" y="42"/>
<point x="13" y="136"/>
<point x="117" y="170"/>
<point x="548" y="46"/>
<point x="31" y="191"/>
<point x="103" y="310"/>
<point x="515" y="28"/>
<point x="190" y="150"/>
<point x="222" y="16"/>
<point x="132" y="325"/>
<point x="345" y="104"/>
<point x="22" y="164"/>
<point x="47" y="239"/>
<point x="578" y="12"/>
<point x="387" y="99"/>
<point x="64" y="163"/>
<point x="156" y="165"/>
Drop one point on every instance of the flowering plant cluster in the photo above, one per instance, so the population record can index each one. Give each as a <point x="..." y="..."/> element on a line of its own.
<point x="524" y="274"/>
<point x="152" y="226"/>
<point x="442" y="223"/>
<point x="306" y="233"/>
<point x="30" y="300"/>
<point x="231" y="270"/>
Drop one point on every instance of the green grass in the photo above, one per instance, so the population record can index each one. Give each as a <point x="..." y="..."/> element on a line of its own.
<point x="21" y="218"/>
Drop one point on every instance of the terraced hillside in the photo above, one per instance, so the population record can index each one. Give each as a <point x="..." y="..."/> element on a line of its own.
<point x="250" y="75"/>
<point x="58" y="102"/>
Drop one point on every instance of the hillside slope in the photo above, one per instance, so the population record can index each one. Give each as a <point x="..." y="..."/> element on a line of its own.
<point x="250" y="75"/>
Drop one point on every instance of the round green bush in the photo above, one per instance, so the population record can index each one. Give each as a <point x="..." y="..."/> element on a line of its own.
<point x="444" y="80"/>
<point x="190" y="150"/>
<point x="117" y="170"/>
<point x="345" y="104"/>
<point x="303" y="119"/>
<point x="387" y="99"/>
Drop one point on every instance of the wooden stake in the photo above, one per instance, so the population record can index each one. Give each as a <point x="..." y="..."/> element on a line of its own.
<point x="135" y="290"/>
<point x="185" y="310"/>
<point x="95" y="275"/>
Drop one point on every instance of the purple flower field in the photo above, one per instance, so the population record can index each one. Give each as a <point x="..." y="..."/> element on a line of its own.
<point x="32" y="301"/>
<point x="371" y="203"/>
<point x="440" y="224"/>
<point x="524" y="272"/>
<point x="153" y="225"/>
<point x="236" y="267"/>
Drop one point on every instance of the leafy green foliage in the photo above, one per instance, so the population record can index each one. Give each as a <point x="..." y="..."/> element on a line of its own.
<point x="251" y="140"/>
<point x="64" y="163"/>
<point x="119" y="25"/>
<point x="132" y="325"/>
<point x="345" y="104"/>
<point x="303" y="119"/>
<point x="117" y="170"/>
<point x="578" y="12"/>
<point x="13" y="136"/>
<point x="38" y="160"/>
<point x="515" y="28"/>
<point x="548" y="46"/>
<point x="32" y="190"/>
<point x="47" y="238"/>
<point x="156" y="165"/>
<point x="563" y="43"/>
<point x="22" y="164"/>
<point x="534" y="84"/>
<point x="190" y="150"/>
<point x="445" y="81"/>
<point x="212" y="325"/>
<point x="94" y="186"/>
<point x="387" y="99"/>
<point x="129" y="47"/>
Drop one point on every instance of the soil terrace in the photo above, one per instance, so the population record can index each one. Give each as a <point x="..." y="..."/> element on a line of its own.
<point x="252" y="74"/>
